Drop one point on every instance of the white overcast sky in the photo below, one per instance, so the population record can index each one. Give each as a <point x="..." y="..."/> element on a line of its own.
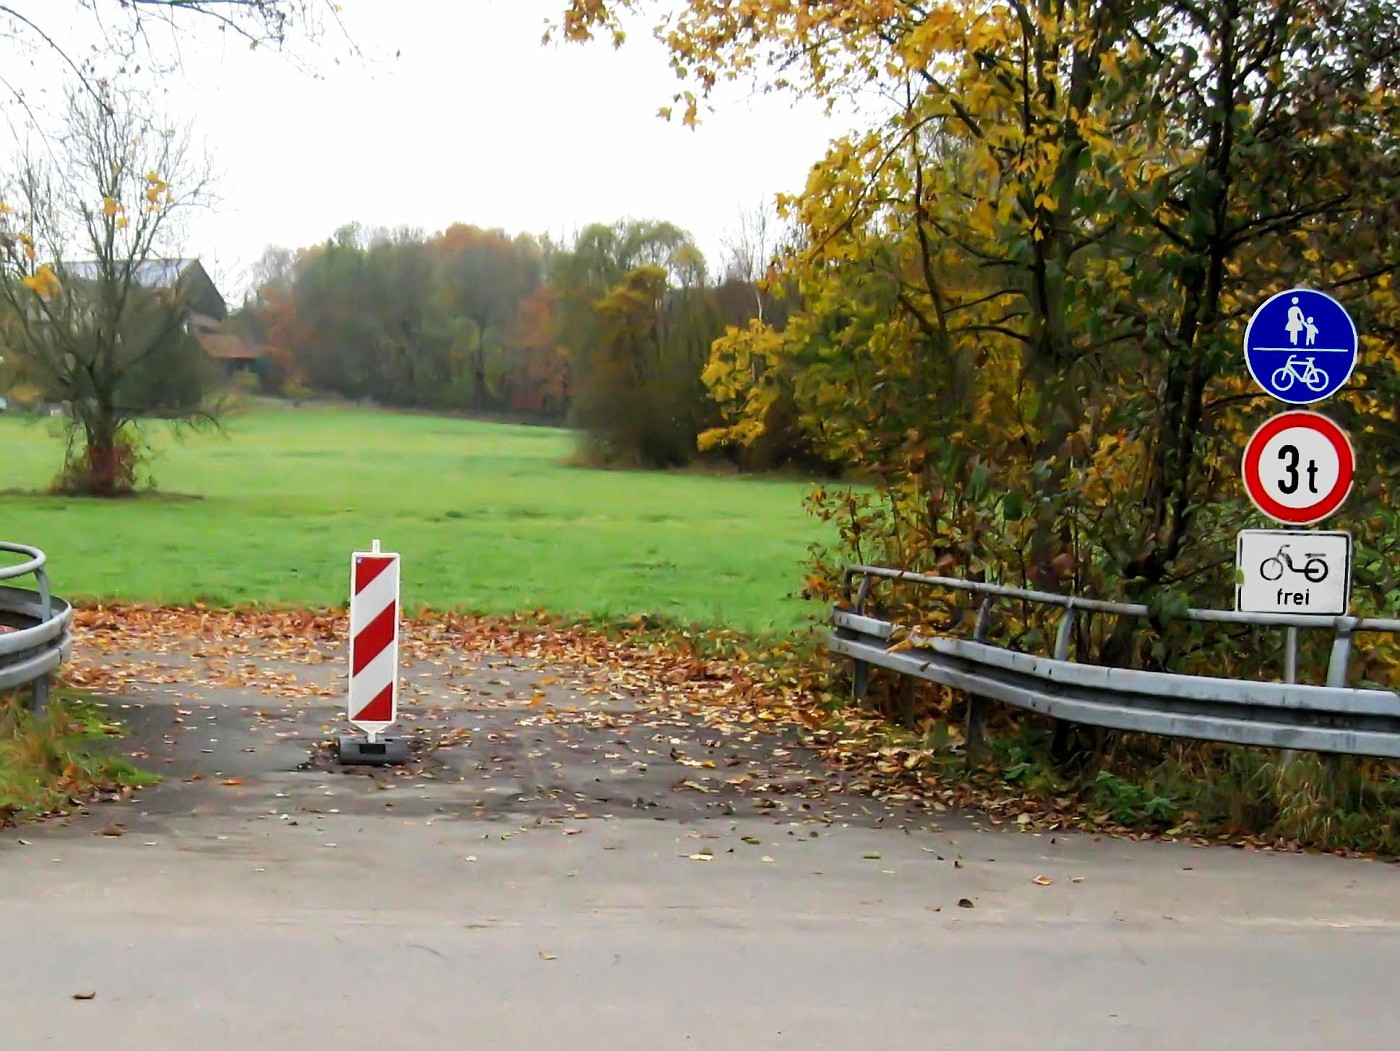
<point x="474" y="121"/>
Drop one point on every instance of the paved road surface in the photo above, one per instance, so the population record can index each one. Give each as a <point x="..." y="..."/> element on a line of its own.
<point x="543" y="884"/>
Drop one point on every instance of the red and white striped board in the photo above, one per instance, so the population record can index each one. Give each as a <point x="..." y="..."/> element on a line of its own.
<point x="374" y="640"/>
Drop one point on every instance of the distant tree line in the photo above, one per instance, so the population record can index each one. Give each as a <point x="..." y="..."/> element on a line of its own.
<point x="609" y="333"/>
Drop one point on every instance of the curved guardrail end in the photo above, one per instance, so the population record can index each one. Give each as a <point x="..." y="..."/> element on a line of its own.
<point x="39" y="637"/>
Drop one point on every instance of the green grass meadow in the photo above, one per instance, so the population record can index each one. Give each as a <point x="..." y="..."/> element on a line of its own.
<point x="487" y="517"/>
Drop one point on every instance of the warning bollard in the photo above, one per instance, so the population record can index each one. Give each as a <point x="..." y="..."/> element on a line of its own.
<point x="374" y="661"/>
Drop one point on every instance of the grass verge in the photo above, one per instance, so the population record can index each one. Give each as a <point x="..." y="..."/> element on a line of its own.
<point x="54" y="762"/>
<point x="486" y="516"/>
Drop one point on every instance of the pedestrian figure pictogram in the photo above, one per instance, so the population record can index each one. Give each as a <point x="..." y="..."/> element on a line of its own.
<point x="1297" y="323"/>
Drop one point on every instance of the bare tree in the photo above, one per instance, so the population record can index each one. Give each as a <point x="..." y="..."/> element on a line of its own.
<point x="87" y="228"/>
<point x="750" y="250"/>
<point x="148" y="30"/>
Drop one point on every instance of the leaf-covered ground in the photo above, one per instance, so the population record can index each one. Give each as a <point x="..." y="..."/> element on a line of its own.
<point x="668" y="712"/>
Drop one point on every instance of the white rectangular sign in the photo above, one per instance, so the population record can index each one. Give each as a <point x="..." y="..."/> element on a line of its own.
<point x="1293" y="571"/>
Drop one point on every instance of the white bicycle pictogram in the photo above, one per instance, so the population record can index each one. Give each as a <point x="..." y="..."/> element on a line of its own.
<point x="1310" y="375"/>
<point x="1314" y="568"/>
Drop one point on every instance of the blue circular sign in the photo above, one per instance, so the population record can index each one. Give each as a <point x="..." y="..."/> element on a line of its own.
<point x="1300" y="346"/>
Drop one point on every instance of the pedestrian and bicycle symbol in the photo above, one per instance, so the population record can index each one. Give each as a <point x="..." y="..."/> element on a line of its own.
<point x="1300" y="346"/>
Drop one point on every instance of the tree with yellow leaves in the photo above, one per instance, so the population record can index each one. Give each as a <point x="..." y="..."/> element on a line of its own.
<point x="1022" y="289"/>
<point x="80" y="226"/>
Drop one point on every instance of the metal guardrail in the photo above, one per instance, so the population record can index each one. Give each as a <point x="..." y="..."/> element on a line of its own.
<point x="1331" y="718"/>
<point x="34" y="626"/>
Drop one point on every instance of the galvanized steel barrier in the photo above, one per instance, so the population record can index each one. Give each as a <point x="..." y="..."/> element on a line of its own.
<point x="1329" y="718"/>
<point x="34" y="626"/>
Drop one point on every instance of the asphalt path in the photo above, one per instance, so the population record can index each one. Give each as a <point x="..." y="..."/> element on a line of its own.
<point x="614" y="877"/>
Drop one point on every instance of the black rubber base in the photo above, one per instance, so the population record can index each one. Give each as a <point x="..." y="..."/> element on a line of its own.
<point x="358" y="750"/>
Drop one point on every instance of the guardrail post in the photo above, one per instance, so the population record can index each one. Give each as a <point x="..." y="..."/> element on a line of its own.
<point x="860" y="672"/>
<point x="1060" y="739"/>
<point x="41" y="684"/>
<point x="45" y="594"/>
<point x="904" y="700"/>
<point x="975" y="732"/>
<point x="41" y="694"/>
<point x="1290" y="675"/>
<point x="1064" y="632"/>
<point x="862" y="593"/>
<point x="860" y="680"/>
<point x="1338" y="668"/>
<point x="1339" y="663"/>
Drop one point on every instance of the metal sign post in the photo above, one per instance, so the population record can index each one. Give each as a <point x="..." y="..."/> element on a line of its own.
<point x="374" y="660"/>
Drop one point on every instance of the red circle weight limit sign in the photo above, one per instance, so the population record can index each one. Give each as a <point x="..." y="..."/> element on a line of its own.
<point x="1298" y="467"/>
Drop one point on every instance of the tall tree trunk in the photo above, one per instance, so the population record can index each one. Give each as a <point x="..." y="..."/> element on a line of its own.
<point x="479" y="371"/>
<point x="104" y="470"/>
